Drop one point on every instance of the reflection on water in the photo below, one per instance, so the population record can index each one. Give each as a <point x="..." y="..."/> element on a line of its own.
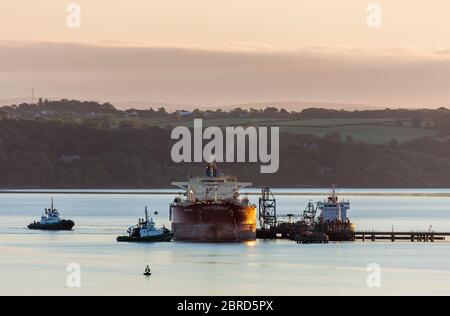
<point x="33" y="262"/>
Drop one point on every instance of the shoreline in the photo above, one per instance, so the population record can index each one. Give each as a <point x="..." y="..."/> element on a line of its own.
<point x="250" y="193"/>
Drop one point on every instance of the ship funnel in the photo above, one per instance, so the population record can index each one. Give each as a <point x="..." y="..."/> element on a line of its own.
<point x="211" y="170"/>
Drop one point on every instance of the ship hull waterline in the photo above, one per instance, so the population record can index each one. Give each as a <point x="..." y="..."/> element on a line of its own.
<point x="166" y="237"/>
<point x="213" y="222"/>
<point x="63" y="225"/>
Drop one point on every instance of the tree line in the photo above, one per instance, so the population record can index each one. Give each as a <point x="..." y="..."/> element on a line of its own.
<point x="74" y="107"/>
<point x="31" y="156"/>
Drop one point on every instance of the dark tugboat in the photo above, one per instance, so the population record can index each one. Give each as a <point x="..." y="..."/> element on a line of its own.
<point x="145" y="231"/>
<point x="50" y="220"/>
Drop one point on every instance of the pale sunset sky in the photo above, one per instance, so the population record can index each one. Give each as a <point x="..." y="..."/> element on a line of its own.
<point x="224" y="52"/>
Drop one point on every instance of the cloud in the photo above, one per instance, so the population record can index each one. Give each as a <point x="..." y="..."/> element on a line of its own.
<point x="245" y="73"/>
<point x="443" y="52"/>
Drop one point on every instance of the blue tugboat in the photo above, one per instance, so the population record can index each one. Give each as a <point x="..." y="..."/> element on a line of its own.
<point x="50" y="220"/>
<point x="145" y="231"/>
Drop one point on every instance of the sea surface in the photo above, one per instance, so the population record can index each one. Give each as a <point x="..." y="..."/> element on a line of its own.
<point x="35" y="262"/>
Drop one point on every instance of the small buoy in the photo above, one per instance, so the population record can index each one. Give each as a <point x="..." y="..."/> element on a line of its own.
<point x="147" y="271"/>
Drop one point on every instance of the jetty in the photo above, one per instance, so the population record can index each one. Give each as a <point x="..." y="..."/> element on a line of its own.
<point x="326" y="221"/>
<point x="429" y="236"/>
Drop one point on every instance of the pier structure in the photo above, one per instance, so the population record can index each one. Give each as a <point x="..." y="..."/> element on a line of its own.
<point x="267" y="211"/>
<point x="332" y="224"/>
<point x="429" y="236"/>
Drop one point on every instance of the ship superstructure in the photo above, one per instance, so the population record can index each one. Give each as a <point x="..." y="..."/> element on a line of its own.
<point x="333" y="209"/>
<point x="212" y="210"/>
<point x="333" y="219"/>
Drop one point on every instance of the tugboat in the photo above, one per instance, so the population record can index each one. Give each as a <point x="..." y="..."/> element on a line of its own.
<point x="145" y="231"/>
<point x="50" y="220"/>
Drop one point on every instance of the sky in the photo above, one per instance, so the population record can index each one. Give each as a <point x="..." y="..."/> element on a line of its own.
<point x="217" y="52"/>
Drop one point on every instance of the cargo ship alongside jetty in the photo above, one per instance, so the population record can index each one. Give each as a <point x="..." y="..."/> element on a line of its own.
<point x="333" y="219"/>
<point x="320" y="222"/>
<point x="211" y="210"/>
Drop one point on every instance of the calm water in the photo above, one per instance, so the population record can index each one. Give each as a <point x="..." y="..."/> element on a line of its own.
<point x="35" y="262"/>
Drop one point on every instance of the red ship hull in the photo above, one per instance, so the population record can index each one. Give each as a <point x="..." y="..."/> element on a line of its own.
<point x="213" y="222"/>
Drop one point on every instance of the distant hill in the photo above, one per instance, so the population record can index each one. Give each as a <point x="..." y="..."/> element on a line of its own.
<point x="376" y="126"/>
<point x="144" y="105"/>
<point x="300" y="105"/>
<point x="21" y="100"/>
<point x="287" y="105"/>
<point x="11" y="101"/>
<point x="62" y="106"/>
<point x="172" y="107"/>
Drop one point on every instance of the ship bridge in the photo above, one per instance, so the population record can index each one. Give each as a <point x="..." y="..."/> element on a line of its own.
<point x="212" y="188"/>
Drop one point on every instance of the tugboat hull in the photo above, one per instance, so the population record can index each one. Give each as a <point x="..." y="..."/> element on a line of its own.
<point x="62" y="225"/>
<point x="161" y="238"/>
<point x="214" y="222"/>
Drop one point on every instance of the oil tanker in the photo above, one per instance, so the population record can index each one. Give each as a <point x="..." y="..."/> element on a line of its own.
<point x="211" y="210"/>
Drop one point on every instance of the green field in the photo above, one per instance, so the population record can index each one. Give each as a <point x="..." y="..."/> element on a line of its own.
<point x="378" y="135"/>
<point x="338" y="122"/>
<point x="371" y="131"/>
<point x="260" y="121"/>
